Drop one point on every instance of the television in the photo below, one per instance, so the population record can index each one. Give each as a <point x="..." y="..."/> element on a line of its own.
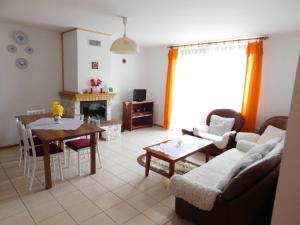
<point x="139" y="95"/>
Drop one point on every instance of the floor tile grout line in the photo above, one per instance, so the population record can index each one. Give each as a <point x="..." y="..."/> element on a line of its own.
<point x="65" y="210"/>
<point x="19" y="196"/>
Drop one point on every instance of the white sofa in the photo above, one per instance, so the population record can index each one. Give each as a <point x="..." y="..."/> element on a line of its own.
<point x="230" y="190"/>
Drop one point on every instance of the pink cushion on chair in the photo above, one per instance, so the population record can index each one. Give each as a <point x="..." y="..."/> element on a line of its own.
<point x="79" y="144"/>
<point x="54" y="149"/>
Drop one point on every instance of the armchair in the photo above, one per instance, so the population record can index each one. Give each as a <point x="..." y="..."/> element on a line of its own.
<point x="224" y="142"/>
<point x="272" y="128"/>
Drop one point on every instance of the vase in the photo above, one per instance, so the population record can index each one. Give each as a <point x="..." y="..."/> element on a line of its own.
<point x="57" y="119"/>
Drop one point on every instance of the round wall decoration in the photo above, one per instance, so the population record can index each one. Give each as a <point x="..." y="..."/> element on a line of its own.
<point x="20" y="37"/>
<point x="29" y="50"/>
<point x="21" y="63"/>
<point x="11" y="48"/>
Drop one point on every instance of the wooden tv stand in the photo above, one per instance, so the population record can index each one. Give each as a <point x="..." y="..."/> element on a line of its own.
<point x="137" y="115"/>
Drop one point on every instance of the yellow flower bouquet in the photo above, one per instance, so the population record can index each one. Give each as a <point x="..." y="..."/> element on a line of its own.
<point x="57" y="111"/>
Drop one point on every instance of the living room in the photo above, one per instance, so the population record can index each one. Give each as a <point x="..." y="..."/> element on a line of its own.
<point x="57" y="62"/>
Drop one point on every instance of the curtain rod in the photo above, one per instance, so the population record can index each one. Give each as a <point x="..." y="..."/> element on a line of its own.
<point x="223" y="41"/>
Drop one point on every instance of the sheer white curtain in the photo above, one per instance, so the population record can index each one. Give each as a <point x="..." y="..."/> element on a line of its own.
<point x="208" y="77"/>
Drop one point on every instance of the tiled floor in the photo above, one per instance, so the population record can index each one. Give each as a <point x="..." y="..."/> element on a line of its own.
<point x="117" y="194"/>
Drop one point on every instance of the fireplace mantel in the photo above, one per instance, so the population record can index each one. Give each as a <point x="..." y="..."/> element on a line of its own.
<point x="77" y="97"/>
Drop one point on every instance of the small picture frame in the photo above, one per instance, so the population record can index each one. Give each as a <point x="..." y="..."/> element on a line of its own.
<point x="95" y="65"/>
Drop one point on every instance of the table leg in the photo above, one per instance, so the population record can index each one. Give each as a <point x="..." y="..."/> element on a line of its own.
<point x="93" y="153"/>
<point x="147" y="167"/>
<point x="47" y="167"/>
<point x="171" y="169"/>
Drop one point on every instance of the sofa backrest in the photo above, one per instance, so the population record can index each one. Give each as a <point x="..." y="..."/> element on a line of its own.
<point x="229" y="113"/>
<point x="253" y="174"/>
<point x="276" y="121"/>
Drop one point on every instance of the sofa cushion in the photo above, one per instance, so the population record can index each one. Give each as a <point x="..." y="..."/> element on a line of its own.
<point x="244" y="145"/>
<point x="263" y="149"/>
<point x="220" y="125"/>
<point x="206" y="177"/>
<point x="248" y="136"/>
<point x="251" y="175"/>
<point x="242" y="164"/>
<point x="270" y="133"/>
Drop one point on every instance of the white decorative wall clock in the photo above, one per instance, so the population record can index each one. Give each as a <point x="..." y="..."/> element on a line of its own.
<point x="20" y="37"/>
<point x="29" y="50"/>
<point x="21" y="63"/>
<point x="11" y="48"/>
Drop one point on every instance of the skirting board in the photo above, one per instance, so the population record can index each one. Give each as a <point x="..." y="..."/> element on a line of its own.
<point x="8" y="146"/>
<point x="158" y="125"/>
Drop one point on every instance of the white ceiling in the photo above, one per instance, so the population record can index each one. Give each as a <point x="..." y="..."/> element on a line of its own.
<point x="160" y="22"/>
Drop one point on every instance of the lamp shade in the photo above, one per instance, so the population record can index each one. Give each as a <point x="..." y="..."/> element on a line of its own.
<point x="124" y="45"/>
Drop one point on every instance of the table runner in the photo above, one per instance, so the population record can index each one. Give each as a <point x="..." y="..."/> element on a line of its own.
<point x="49" y="124"/>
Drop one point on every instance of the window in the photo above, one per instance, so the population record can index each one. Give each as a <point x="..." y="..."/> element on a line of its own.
<point x="208" y="77"/>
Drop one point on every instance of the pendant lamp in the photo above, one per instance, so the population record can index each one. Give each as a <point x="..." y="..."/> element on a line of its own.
<point x="124" y="45"/>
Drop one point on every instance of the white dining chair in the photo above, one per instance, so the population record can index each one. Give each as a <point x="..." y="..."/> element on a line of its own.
<point x="22" y="157"/>
<point x="33" y="152"/>
<point x="82" y="146"/>
<point x="63" y="143"/>
<point x="35" y="111"/>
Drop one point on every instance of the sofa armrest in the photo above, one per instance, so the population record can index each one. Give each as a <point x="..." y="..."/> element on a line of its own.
<point x="188" y="132"/>
<point x="248" y="136"/>
<point x="196" y="194"/>
<point x="244" y="145"/>
<point x="201" y="129"/>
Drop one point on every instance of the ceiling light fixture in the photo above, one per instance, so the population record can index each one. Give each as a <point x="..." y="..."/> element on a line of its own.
<point x="124" y="45"/>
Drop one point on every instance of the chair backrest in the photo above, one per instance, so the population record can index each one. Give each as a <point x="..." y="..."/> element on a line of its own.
<point x="229" y="113"/>
<point x="95" y="122"/>
<point x="28" y="140"/>
<point x="276" y="121"/>
<point x="19" y="127"/>
<point x="35" y="111"/>
<point x="79" y="117"/>
<point x="24" y="136"/>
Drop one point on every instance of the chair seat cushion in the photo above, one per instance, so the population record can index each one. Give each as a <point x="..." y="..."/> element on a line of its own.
<point x="79" y="143"/>
<point x="36" y="141"/>
<point x="54" y="149"/>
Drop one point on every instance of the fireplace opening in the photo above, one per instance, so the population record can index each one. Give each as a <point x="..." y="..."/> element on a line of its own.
<point x="94" y="109"/>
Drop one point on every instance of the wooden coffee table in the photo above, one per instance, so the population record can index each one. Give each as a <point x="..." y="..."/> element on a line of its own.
<point x="177" y="149"/>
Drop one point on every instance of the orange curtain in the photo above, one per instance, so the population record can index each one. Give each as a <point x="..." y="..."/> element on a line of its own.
<point x="173" y="55"/>
<point x="252" y="84"/>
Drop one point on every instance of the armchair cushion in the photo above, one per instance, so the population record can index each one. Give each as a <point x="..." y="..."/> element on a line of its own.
<point x="247" y="136"/>
<point x="270" y="133"/>
<point x="244" y="145"/>
<point x="220" y="125"/>
<point x="219" y="141"/>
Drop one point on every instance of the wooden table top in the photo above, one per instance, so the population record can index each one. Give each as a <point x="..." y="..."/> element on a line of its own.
<point x="55" y="135"/>
<point x="201" y="144"/>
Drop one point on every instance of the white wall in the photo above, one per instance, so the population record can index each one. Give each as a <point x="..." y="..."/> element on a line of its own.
<point x="88" y="54"/>
<point x="124" y="78"/>
<point x="70" y="61"/>
<point x="287" y="201"/>
<point x="279" y="69"/>
<point x="155" y="65"/>
<point x="35" y="87"/>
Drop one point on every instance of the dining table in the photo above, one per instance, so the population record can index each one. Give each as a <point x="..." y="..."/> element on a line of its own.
<point x="48" y="136"/>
